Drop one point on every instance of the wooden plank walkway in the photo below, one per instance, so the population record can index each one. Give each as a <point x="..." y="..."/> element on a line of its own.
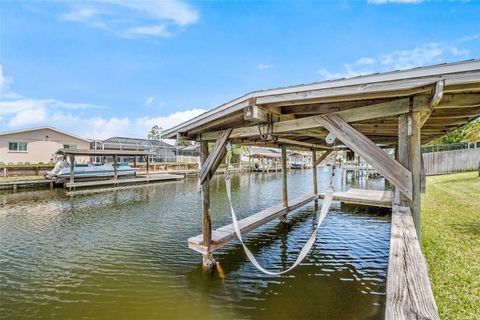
<point x="225" y="234"/>
<point x="375" y="198"/>
<point x="409" y="294"/>
<point x="113" y="182"/>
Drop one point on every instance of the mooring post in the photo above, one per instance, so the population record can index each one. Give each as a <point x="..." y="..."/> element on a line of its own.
<point x="115" y="167"/>
<point x="147" y="163"/>
<point x="314" y="174"/>
<point x="72" y="169"/>
<point x="284" y="181"/>
<point x="208" y="260"/>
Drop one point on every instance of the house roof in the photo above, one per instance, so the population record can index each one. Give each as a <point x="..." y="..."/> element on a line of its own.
<point x="259" y="152"/>
<point x="460" y="102"/>
<point x="89" y="152"/>
<point x="44" y="128"/>
<point x="136" y="142"/>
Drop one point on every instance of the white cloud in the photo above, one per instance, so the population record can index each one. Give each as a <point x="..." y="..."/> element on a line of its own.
<point x="328" y="75"/>
<point x="149" y="101"/>
<point x="263" y="66"/>
<point x="4" y="81"/>
<point x="393" y="1"/>
<point x="157" y="31"/>
<point x="427" y="54"/>
<point x="365" y="60"/>
<point x="19" y="112"/>
<point x="133" y="18"/>
<point x="469" y="38"/>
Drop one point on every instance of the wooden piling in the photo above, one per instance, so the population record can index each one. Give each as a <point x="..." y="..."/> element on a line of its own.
<point x="409" y="155"/>
<point x="147" y="163"/>
<point x="314" y="171"/>
<point x="208" y="261"/>
<point x="314" y="175"/>
<point x="115" y="167"/>
<point x="415" y="162"/>
<point x="72" y="169"/>
<point x="284" y="179"/>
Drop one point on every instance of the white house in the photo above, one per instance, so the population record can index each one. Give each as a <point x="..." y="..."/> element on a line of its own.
<point x="38" y="145"/>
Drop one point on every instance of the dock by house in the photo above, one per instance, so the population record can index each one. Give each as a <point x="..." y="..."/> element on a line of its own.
<point x="401" y="109"/>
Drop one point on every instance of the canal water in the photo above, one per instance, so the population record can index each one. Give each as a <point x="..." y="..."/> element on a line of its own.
<point x="123" y="254"/>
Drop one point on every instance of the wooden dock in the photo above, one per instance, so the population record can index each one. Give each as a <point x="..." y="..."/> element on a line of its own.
<point x="225" y="234"/>
<point x="375" y="198"/>
<point x="124" y="181"/>
<point x="14" y="185"/>
<point x="409" y="294"/>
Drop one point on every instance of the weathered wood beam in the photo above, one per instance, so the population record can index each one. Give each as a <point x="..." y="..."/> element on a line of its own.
<point x="329" y="107"/>
<point x="214" y="158"/>
<point x="314" y="172"/>
<point x="415" y="166"/>
<point x="381" y="110"/>
<point x="322" y="157"/>
<point x="72" y="169"/>
<point x="436" y="97"/>
<point x="302" y="144"/>
<point x="284" y="178"/>
<point x="459" y="100"/>
<point x="412" y="87"/>
<point x="115" y="167"/>
<point x="208" y="260"/>
<point x="454" y="113"/>
<point x="409" y="294"/>
<point x="397" y="174"/>
<point x="409" y="155"/>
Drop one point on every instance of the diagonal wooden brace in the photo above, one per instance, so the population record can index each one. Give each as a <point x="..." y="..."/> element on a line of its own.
<point x="216" y="156"/>
<point x="322" y="157"/>
<point x="397" y="174"/>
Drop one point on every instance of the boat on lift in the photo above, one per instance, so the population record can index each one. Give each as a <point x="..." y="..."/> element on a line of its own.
<point x="95" y="170"/>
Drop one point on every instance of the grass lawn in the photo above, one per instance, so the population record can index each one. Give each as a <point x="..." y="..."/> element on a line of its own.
<point x="451" y="243"/>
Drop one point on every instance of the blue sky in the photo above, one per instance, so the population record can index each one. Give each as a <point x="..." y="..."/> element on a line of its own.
<point x="109" y="67"/>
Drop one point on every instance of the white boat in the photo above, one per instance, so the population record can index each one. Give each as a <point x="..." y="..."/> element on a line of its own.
<point x="62" y="170"/>
<point x="297" y="165"/>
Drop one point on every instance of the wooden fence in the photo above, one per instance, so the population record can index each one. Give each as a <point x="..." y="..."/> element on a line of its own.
<point x="451" y="161"/>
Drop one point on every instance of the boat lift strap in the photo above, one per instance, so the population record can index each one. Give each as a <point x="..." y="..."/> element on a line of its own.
<point x="327" y="201"/>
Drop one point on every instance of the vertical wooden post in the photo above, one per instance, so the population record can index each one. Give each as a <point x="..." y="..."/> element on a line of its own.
<point x="72" y="168"/>
<point x="115" y="167"/>
<point x="284" y="177"/>
<point x="135" y="165"/>
<point x="314" y="171"/>
<point x="314" y="174"/>
<point x="402" y="150"/>
<point x="208" y="261"/>
<point x="415" y="162"/>
<point x="410" y="155"/>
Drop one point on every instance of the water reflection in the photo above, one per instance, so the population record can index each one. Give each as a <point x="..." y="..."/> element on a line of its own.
<point x="123" y="254"/>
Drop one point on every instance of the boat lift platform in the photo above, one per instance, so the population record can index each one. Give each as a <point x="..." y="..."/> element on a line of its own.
<point x="225" y="234"/>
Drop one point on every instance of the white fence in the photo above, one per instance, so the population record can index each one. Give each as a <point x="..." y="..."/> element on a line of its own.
<point x="451" y="161"/>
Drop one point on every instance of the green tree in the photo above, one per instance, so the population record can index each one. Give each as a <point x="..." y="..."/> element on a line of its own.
<point x="235" y="154"/>
<point x="155" y="133"/>
<point x="183" y="143"/>
<point x="467" y="132"/>
<point x="472" y="134"/>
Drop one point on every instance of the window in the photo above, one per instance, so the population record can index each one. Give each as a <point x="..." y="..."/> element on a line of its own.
<point x="69" y="146"/>
<point x="17" y="146"/>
